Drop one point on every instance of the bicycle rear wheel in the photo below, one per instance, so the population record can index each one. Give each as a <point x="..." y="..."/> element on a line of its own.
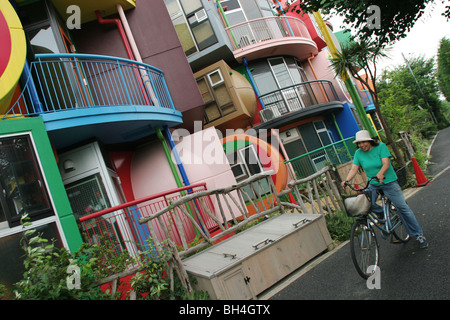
<point x="364" y="248"/>
<point x="400" y="235"/>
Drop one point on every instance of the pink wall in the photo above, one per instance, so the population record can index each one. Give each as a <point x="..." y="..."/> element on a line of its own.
<point x="321" y="66"/>
<point x="150" y="172"/>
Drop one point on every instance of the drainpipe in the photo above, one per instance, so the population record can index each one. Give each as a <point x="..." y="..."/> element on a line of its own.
<point x="175" y="174"/>
<point x="169" y="158"/>
<point x="315" y="76"/>
<point x="126" y="44"/>
<point x="249" y="74"/>
<point x="345" y="77"/>
<point x="287" y="21"/>
<point x="137" y="54"/>
<point x="225" y="20"/>
<point x="177" y="156"/>
<point x="121" y="31"/>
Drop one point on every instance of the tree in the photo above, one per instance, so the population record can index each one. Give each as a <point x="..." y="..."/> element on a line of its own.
<point x="396" y="18"/>
<point x="443" y="72"/>
<point x="418" y="76"/>
<point x="363" y="55"/>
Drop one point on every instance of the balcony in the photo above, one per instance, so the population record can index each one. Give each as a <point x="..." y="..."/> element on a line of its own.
<point x="79" y="96"/>
<point x="366" y="98"/>
<point x="298" y="101"/>
<point x="119" y="225"/>
<point x="336" y="153"/>
<point x="271" y="36"/>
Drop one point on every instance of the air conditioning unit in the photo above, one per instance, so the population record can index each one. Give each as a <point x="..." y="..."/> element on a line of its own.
<point x="201" y="15"/>
<point x="269" y="114"/>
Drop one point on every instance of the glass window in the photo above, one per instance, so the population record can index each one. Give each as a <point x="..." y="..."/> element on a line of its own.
<point x="263" y="78"/>
<point x="191" y="6"/>
<point x="21" y="180"/>
<point x="266" y="8"/>
<point x="216" y="97"/>
<point x="191" y="24"/>
<point x="281" y="72"/>
<point x="203" y="34"/>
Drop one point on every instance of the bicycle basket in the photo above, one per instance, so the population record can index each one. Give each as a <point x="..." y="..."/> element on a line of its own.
<point x="357" y="205"/>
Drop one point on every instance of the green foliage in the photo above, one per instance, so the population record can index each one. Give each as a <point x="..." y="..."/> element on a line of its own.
<point x="339" y="225"/>
<point x="151" y="280"/>
<point x="2" y="291"/>
<point x="396" y="18"/>
<point x="47" y="273"/>
<point x="409" y="96"/>
<point x="443" y="72"/>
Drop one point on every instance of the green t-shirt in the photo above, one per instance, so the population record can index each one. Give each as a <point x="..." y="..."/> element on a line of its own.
<point x="371" y="163"/>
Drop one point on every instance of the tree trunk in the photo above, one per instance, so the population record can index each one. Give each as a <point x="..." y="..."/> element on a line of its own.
<point x="389" y="136"/>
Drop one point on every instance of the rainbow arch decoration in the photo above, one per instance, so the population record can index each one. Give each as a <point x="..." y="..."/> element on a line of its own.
<point x="12" y="53"/>
<point x="271" y="158"/>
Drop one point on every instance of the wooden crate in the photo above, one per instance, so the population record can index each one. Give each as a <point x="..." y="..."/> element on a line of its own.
<point x="252" y="261"/>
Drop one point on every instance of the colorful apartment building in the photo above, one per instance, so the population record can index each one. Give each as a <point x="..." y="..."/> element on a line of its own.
<point x="97" y="97"/>
<point x="285" y="60"/>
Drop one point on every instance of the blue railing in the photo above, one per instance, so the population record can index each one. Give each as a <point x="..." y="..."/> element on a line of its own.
<point x="366" y="97"/>
<point x="59" y="82"/>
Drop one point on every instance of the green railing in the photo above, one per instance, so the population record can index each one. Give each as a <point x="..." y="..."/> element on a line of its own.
<point x="339" y="152"/>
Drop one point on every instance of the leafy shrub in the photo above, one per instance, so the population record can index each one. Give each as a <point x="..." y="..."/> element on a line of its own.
<point x="339" y="225"/>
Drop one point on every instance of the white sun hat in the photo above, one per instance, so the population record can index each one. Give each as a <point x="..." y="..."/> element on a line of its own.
<point x="362" y="135"/>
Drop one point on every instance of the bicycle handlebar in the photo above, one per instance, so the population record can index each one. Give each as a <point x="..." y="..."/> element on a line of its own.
<point x="346" y="183"/>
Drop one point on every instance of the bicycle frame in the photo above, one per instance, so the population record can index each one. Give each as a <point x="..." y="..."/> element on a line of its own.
<point x="386" y="223"/>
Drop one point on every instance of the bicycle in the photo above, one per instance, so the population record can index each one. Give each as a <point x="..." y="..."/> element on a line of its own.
<point x="364" y="244"/>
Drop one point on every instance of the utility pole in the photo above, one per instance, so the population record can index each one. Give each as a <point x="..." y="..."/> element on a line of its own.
<point x="420" y="89"/>
<point x="345" y="77"/>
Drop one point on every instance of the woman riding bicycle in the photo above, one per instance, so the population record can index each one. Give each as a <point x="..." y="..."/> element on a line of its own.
<point x="373" y="157"/>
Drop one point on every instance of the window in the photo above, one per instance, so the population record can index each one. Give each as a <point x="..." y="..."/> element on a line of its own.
<point x="43" y="27"/>
<point x="238" y="11"/>
<point x="23" y="187"/>
<point x="191" y="24"/>
<point x="245" y="163"/>
<point x="215" y="95"/>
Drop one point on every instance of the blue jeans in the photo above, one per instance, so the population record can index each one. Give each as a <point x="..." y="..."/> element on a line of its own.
<point x="393" y="191"/>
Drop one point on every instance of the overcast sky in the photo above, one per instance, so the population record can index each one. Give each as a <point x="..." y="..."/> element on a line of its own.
<point x="422" y="40"/>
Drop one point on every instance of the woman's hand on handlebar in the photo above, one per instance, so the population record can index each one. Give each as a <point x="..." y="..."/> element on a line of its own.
<point x="346" y="183"/>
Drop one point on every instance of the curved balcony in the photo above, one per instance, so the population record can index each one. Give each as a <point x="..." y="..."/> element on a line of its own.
<point x="271" y="36"/>
<point x="298" y="101"/>
<point x="79" y="96"/>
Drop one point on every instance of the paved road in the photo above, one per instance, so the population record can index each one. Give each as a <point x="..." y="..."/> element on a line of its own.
<point x="440" y="153"/>
<point x="407" y="272"/>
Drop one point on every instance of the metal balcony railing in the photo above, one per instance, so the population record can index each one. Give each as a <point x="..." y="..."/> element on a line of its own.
<point x="118" y="227"/>
<point x="299" y="96"/>
<point x="59" y="82"/>
<point x="366" y="97"/>
<point x="270" y="28"/>
<point x="339" y="152"/>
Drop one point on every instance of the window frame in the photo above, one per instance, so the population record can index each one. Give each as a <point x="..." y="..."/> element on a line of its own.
<point x="49" y="211"/>
<point x="214" y="101"/>
<point x="191" y="25"/>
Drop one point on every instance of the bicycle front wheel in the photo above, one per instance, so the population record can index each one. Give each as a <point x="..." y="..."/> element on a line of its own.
<point x="364" y="248"/>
